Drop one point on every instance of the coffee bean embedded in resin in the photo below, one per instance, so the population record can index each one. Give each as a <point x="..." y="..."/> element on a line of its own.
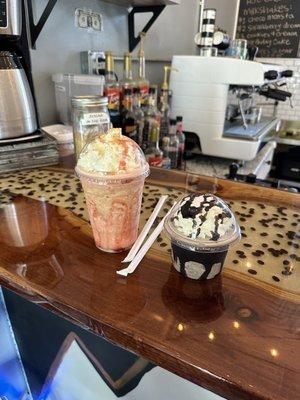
<point x="258" y="253"/>
<point x="281" y="211"/>
<point x="252" y="271"/>
<point x="292" y="235"/>
<point x="274" y="252"/>
<point x="240" y="252"/>
<point x="283" y="251"/>
<point x="286" y="272"/>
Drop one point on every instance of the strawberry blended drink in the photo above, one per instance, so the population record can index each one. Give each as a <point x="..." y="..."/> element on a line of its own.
<point x="112" y="169"/>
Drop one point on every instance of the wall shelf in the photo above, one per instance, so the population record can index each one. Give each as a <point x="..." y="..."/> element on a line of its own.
<point x="35" y="29"/>
<point x="137" y="6"/>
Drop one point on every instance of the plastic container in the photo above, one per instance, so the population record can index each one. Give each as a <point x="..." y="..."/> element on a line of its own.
<point x="70" y="85"/>
<point x="201" y="258"/>
<point x="64" y="136"/>
<point x="113" y="196"/>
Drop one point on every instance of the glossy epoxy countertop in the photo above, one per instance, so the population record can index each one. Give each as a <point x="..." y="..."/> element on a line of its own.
<point x="237" y="335"/>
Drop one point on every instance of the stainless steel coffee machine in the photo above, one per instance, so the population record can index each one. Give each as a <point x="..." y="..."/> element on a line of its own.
<point x="17" y="108"/>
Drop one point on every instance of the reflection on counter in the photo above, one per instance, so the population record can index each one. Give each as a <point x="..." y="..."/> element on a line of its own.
<point x="19" y="229"/>
<point x="13" y="381"/>
<point x="270" y="256"/>
<point x="24" y="226"/>
<point x="77" y="364"/>
<point x="193" y="301"/>
<point x="155" y="312"/>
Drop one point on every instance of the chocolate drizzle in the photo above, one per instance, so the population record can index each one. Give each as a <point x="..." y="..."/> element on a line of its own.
<point x="219" y="219"/>
<point x="189" y="211"/>
<point x="209" y="201"/>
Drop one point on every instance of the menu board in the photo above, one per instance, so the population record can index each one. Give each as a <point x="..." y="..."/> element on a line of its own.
<point x="271" y="25"/>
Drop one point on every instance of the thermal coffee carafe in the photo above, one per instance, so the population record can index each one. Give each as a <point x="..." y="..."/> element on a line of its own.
<point x="17" y="108"/>
<point x="17" y="112"/>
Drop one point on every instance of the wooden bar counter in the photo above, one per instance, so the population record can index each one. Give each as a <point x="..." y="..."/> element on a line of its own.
<point x="237" y="335"/>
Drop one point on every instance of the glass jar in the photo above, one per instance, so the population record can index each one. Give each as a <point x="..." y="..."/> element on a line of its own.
<point x="240" y="49"/>
<point x="90" y="118"/>
<point x="209" y="52"/>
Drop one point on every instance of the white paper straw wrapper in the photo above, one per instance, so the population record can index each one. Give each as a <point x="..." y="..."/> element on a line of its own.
<point x="135" y="248"/>
<point x="146" y="246"/>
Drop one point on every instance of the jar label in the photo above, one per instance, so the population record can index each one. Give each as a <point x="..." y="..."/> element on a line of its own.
<point x="95" y="119"/>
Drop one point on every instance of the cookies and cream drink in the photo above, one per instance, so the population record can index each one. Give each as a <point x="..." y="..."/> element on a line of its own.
<point x="201" y="229"/>
<point x="112" y="169"/>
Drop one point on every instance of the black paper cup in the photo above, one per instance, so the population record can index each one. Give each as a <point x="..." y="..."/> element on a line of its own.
<point x="197" y="265"/>
<point x="200" y="258"/>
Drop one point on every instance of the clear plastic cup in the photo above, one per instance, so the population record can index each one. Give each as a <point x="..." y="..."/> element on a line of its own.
<point x="114" y="200"/>
<point x="200" y="258"/>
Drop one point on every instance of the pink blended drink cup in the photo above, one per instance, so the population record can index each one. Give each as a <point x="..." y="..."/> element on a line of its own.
<point x="112" y="170"/>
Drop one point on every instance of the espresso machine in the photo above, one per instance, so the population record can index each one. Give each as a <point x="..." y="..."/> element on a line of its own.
<point x="205" y="86"/>
<point x="18" y="114"/>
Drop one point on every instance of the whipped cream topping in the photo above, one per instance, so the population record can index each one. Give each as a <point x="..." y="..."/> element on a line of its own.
<point x="203" y="217"/>
<point x="111" y="153"/>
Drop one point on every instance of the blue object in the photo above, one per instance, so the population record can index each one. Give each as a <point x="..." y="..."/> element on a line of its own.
<point x="13" y="382"/>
